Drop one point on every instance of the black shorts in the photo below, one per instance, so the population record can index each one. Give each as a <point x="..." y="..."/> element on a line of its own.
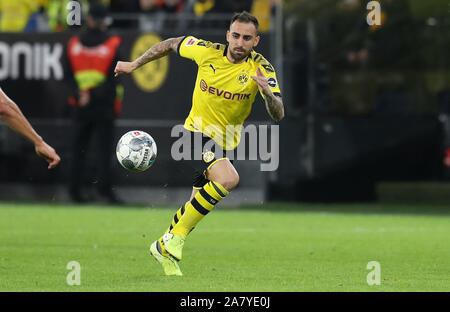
<point x="204" y="153"/>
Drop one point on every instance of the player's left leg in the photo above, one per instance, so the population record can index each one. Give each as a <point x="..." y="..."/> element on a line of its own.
<point x="213" y="180"/>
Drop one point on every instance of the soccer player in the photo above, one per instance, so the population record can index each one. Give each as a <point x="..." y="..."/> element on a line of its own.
<point x="14" y="118"/>
<point x="223" y="96"/>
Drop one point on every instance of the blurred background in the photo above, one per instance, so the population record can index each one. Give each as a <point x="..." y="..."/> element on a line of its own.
<point x="367" y="106"/>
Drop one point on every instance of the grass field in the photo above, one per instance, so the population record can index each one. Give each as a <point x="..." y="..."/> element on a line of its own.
<point x="283" y="247"/>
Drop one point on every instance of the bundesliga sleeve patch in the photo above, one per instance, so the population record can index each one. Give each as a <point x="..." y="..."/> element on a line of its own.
<point x="190" y="42"/>
<point x="272" y="82"/>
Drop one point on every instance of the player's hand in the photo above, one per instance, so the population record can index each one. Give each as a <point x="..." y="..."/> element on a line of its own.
<point x="84" y="99"/>
<point x="262" y="82"/>
<point x="123" y="68"/>
<point x="48" y="153"/>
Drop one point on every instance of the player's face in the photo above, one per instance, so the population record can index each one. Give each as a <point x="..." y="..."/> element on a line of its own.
<point x="242" y="38"/>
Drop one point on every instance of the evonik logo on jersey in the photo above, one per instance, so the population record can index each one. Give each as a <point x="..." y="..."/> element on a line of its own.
<point x="223" y="93"/>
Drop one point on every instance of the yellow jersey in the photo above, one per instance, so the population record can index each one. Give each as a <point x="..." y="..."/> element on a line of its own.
<point x="224" y="92"/>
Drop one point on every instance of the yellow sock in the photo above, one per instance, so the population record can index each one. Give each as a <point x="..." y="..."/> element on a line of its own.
<point x="175" y="219"/>
<point x="202" y="203"/>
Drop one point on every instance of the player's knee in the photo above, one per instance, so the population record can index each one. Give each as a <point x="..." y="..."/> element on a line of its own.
<point x="230" y="181"/>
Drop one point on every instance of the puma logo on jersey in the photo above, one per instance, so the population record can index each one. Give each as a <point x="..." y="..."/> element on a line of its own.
<point x="213" y="68"/>
<point x="268" y="68"/>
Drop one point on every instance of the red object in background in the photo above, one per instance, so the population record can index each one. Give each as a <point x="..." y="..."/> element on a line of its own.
<point x="177" y="8"/>
<point x="72" y="101"/>
<point x="97" y="58"/>
<point x="117" y="107"/>
<point x="447" y="157"/>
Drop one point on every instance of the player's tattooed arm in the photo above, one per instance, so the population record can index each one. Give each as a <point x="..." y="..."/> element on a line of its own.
<point x="274" y="106"/>
<point x="274" y="103"/>
<point x="155" y="52"/>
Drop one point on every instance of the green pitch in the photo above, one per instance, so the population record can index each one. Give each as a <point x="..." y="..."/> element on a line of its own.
<point x="281" y="248"/>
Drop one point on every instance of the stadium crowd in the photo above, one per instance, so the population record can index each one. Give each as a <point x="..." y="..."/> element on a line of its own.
<point x="50" y="15"/>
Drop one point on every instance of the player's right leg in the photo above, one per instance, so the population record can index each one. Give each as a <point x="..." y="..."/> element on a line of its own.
<point x="222" y="179"/>
<point x="206" y="194"/>
<point x="175" y="219"/>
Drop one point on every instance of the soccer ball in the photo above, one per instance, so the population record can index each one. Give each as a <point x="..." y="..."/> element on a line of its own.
<point x="136" y="151"/>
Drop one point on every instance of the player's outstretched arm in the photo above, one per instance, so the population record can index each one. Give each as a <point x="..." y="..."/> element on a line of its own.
<point x="12" y="115"/>
<point x="274" y="104"/>
<point x="155" y="52"/>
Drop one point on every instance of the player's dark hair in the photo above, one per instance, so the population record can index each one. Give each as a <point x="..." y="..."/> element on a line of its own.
<point x="245" y="17"/>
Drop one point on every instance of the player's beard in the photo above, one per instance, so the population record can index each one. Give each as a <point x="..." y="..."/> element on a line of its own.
<point x="240" y="56"/>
